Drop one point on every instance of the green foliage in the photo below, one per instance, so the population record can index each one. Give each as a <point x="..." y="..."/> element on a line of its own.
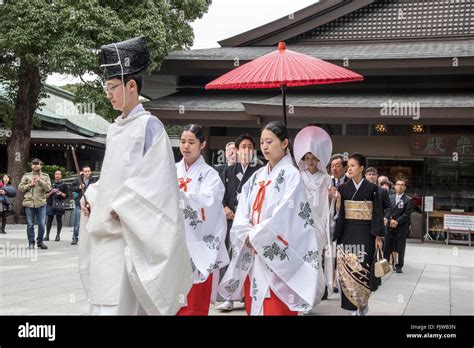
<point x="6" y="104"/>
<point x="51" y="168"/>
<point x="64" y="36"/>
<point x="174" y="130"/>
<point x="71" y="87"/>
<point x="93" y="93"/>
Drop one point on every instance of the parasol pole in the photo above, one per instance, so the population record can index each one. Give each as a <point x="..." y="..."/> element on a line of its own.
<point x="283" y="91"/>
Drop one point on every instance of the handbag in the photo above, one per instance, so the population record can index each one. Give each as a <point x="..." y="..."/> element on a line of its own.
<point x="381" y="267"/>
<point x="59" y="207"/>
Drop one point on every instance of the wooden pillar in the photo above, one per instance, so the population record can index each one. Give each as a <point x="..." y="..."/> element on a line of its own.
<point x="69" y="165"/>
<point x="206" y="153"/>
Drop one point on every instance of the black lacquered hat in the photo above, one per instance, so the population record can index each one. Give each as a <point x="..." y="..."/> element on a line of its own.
<point x="125" y="57"/>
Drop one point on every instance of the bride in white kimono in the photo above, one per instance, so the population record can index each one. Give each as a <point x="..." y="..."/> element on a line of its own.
<point x="202" y="192"/>
<point x="313" y="148"/>
<point x="274" y="247"/>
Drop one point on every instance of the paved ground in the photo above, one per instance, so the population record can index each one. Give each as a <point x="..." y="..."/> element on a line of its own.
<point x="437" y="280"/>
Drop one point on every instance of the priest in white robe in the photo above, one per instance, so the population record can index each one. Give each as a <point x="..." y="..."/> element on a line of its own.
<point x="134" y="241"/>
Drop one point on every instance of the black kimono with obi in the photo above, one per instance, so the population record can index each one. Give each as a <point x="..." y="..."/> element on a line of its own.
<point x="359" y="221"/>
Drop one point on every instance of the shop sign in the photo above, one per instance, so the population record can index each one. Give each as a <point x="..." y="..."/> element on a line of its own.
<point x="442" y="145"/>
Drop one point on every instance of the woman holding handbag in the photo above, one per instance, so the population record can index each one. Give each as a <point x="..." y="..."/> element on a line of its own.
<point x="359" y="232"/>
<point x="56" y="205"/>
<point x="7" y="191"/>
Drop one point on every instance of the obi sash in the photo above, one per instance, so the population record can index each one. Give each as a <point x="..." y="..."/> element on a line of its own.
<point x="358" y="210"/>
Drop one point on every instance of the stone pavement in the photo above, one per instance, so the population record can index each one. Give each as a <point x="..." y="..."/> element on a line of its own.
<point x="437" y="280"/>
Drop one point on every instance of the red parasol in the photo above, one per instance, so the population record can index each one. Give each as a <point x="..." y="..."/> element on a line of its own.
<point x="283" y="68"/>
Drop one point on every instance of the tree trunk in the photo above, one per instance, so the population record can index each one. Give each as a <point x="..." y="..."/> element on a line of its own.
<point x="29" y="88"/>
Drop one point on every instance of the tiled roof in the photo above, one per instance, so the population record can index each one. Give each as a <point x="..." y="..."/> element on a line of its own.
<point x="363" y="51"/>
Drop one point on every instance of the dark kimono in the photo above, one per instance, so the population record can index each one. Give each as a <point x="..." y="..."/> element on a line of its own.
<point x="234" y="179"/>
<point x="359" y="221"/>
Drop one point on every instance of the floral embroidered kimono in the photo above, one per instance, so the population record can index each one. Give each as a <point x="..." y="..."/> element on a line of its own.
<point x="317" y="141"/>
<point x="317" y="186"/>
<point x="206" y="226"/>
<point x="360" y="220"/>
<point x="274" y="212"/>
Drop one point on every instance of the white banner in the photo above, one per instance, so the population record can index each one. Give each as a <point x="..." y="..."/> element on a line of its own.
<point x="459" y="222"/>
<point x="428" y="203"/>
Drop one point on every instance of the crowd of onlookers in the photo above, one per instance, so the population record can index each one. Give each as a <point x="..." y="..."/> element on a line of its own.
<point x="43" y="201"/>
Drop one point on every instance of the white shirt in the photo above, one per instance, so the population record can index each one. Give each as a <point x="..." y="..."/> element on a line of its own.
<point x="357" y="185"/>
<point x="340" y="181"/>
<point x="398" y="198"/>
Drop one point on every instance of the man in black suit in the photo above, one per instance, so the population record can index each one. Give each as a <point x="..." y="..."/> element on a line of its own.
<point x="338" y="167"/>
<point x="399" y="220"/>
<point x="371" y="174"/>
<point x="234" y="178"/>
<point x="230" y="157"/>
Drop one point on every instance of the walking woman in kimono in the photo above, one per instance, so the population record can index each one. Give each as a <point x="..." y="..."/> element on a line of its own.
<point x="313" y="148"/>
<point x="359" y="231"/>
<point x="275" y="259"/>
<point x="202" y="192"/>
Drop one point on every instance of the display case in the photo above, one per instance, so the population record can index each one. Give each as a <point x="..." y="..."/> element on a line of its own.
<point x="437" y="230"/>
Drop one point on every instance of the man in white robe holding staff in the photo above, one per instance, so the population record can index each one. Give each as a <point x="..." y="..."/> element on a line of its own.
<point x="133" y="244"/>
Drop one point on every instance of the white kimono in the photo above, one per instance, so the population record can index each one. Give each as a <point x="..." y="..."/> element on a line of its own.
<point x="317" y="141"/>
<point x="317" y="186"/>
<point x="274" y="212"/>
<point x="202" y="191"/>
<point x="134" y="262"/>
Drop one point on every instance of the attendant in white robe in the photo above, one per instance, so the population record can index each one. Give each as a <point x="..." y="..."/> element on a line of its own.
<point x="133" y="243"/>
<point x="275" y="260"/>
<point x="313" y="148"/>
<point x="201" y="192"/>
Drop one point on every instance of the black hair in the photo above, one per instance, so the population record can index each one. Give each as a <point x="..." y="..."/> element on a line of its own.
<point x="338" y="156"/>
<point x="10" y="181"/>
<point x="196" y="130"/>
<point x="386" y="182"/>
<point x="404" y="181"/>
<point x="280" y="130"/>
<point x="309" y="152"/>
<point x="360" y="158"/>
<point x="243" y="137"/>
<point x="138" y="78"/>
